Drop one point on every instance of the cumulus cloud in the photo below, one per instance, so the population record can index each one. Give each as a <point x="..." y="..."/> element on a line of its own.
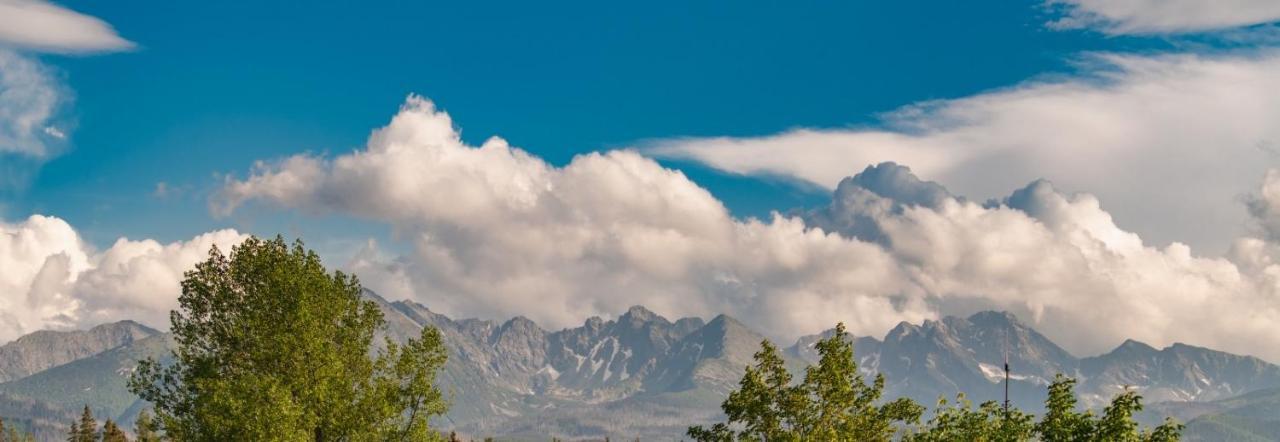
<point x="53" y="279"/>
<point x="497" y="232"/>
<point x="1059" y="260"/>
<point x="46" y="27"/>
<point x="1165" y="141"/>
<point x="1165" y="16"/>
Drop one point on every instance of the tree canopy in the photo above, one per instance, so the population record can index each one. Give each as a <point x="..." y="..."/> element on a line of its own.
<point x="270" y="346"/>
<point x="833" y="400"/>
<point x="834" y="403"/>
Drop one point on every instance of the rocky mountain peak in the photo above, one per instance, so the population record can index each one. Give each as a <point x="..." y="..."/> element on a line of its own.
<point x="638" y="315"/>
<point x="1134" y="348"/>
<point x="903" y="330"/>
<point x="993" y="318"/>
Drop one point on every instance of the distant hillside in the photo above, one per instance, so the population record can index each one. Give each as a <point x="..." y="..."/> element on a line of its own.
<point x="44" y="420"/>
<point x="1251" y="417"/>
<point x="99" y="381"/>
<point x="44" y="349"/>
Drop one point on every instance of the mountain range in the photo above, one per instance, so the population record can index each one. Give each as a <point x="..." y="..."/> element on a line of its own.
<point x="643" y="375"/>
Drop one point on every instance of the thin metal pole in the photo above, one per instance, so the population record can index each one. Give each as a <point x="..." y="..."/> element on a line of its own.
<point x="1006" y="374"/>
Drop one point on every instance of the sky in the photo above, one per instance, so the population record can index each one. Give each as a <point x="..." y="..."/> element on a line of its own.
<point x="790" y="165"/>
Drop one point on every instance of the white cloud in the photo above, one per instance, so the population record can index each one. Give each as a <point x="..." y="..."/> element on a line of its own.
<point x="53" y="279"/>
<point x="1165" y="141"/>
<point x="46" y="27"/>
<point x="496" y="232"/>
<point x="30" y="96"/>
<point x="1060" y="261"/>
<point x="1165" y="16"/>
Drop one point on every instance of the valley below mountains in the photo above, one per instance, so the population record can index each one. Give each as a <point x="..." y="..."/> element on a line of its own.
<point x="643" y="375"/>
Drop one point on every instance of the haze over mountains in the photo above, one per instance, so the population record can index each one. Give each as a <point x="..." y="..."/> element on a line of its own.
<point x="645" y="375"/>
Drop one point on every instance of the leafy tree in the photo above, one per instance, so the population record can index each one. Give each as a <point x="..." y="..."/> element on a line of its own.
<point x="832" y="402"/>
<point x="766" y="405"/>
<point x="1168" y="431"/>
<point x="1061" y="421"/>
<point x="842" y="403"/>
<point x="272" y="347"/>
<point x="988" y="423"/>
<point x="145" y="428"/>
<point x="113" y="433"/>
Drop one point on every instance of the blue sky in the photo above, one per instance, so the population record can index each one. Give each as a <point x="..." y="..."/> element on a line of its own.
<point x="791" y="165"/>
<point x="211" y="88"/>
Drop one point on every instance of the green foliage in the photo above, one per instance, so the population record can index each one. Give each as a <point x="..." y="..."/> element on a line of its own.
<point x="831" y="403"/>
<point x="145" y="429"/>
<point x="767" y="406"/>
<point x="271" y="347"/>
<point x="834" y="403"/>
<point x="841" y="403"/>
<point x="112" y="433"/>
<point x="1063" y="423"/>
<point x="11" y="434"/>
<point x="960" y="422"/>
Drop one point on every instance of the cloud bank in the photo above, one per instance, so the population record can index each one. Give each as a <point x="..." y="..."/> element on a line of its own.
<point x="52" y="279"/>
<point x="1166" y="141"/>
<point x="496" y="232"/>
<point x="1165" y="16"/>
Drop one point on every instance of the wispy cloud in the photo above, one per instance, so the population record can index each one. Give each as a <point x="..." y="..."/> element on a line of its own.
<point x="1191" y="129"/>
<point x="32" y="95"/>
<point x="30" y="98"/>
<point x="46" y="27"/>
<point x="1164" y="16"/>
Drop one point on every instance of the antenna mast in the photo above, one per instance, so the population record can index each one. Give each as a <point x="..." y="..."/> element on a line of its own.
<point x="1006" y="374"/>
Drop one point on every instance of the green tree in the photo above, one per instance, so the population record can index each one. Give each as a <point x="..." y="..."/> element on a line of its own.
<point x="1117" y="424"/>
<point x="765" y="405"/>
<point x="272" y="347"/>
<point x="842" y="403"/>
<point x="12" y="434"/>
<point x="145" y="428"/>
<point x="832" y="402"/>
<point x="87" y="430"/>
<point x="113" y="433"/>
<point x="1168" y="431"/>
<point x="960" y="422"/>
<point x="74" y="434"/>
<point x="1062" y="422"/>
